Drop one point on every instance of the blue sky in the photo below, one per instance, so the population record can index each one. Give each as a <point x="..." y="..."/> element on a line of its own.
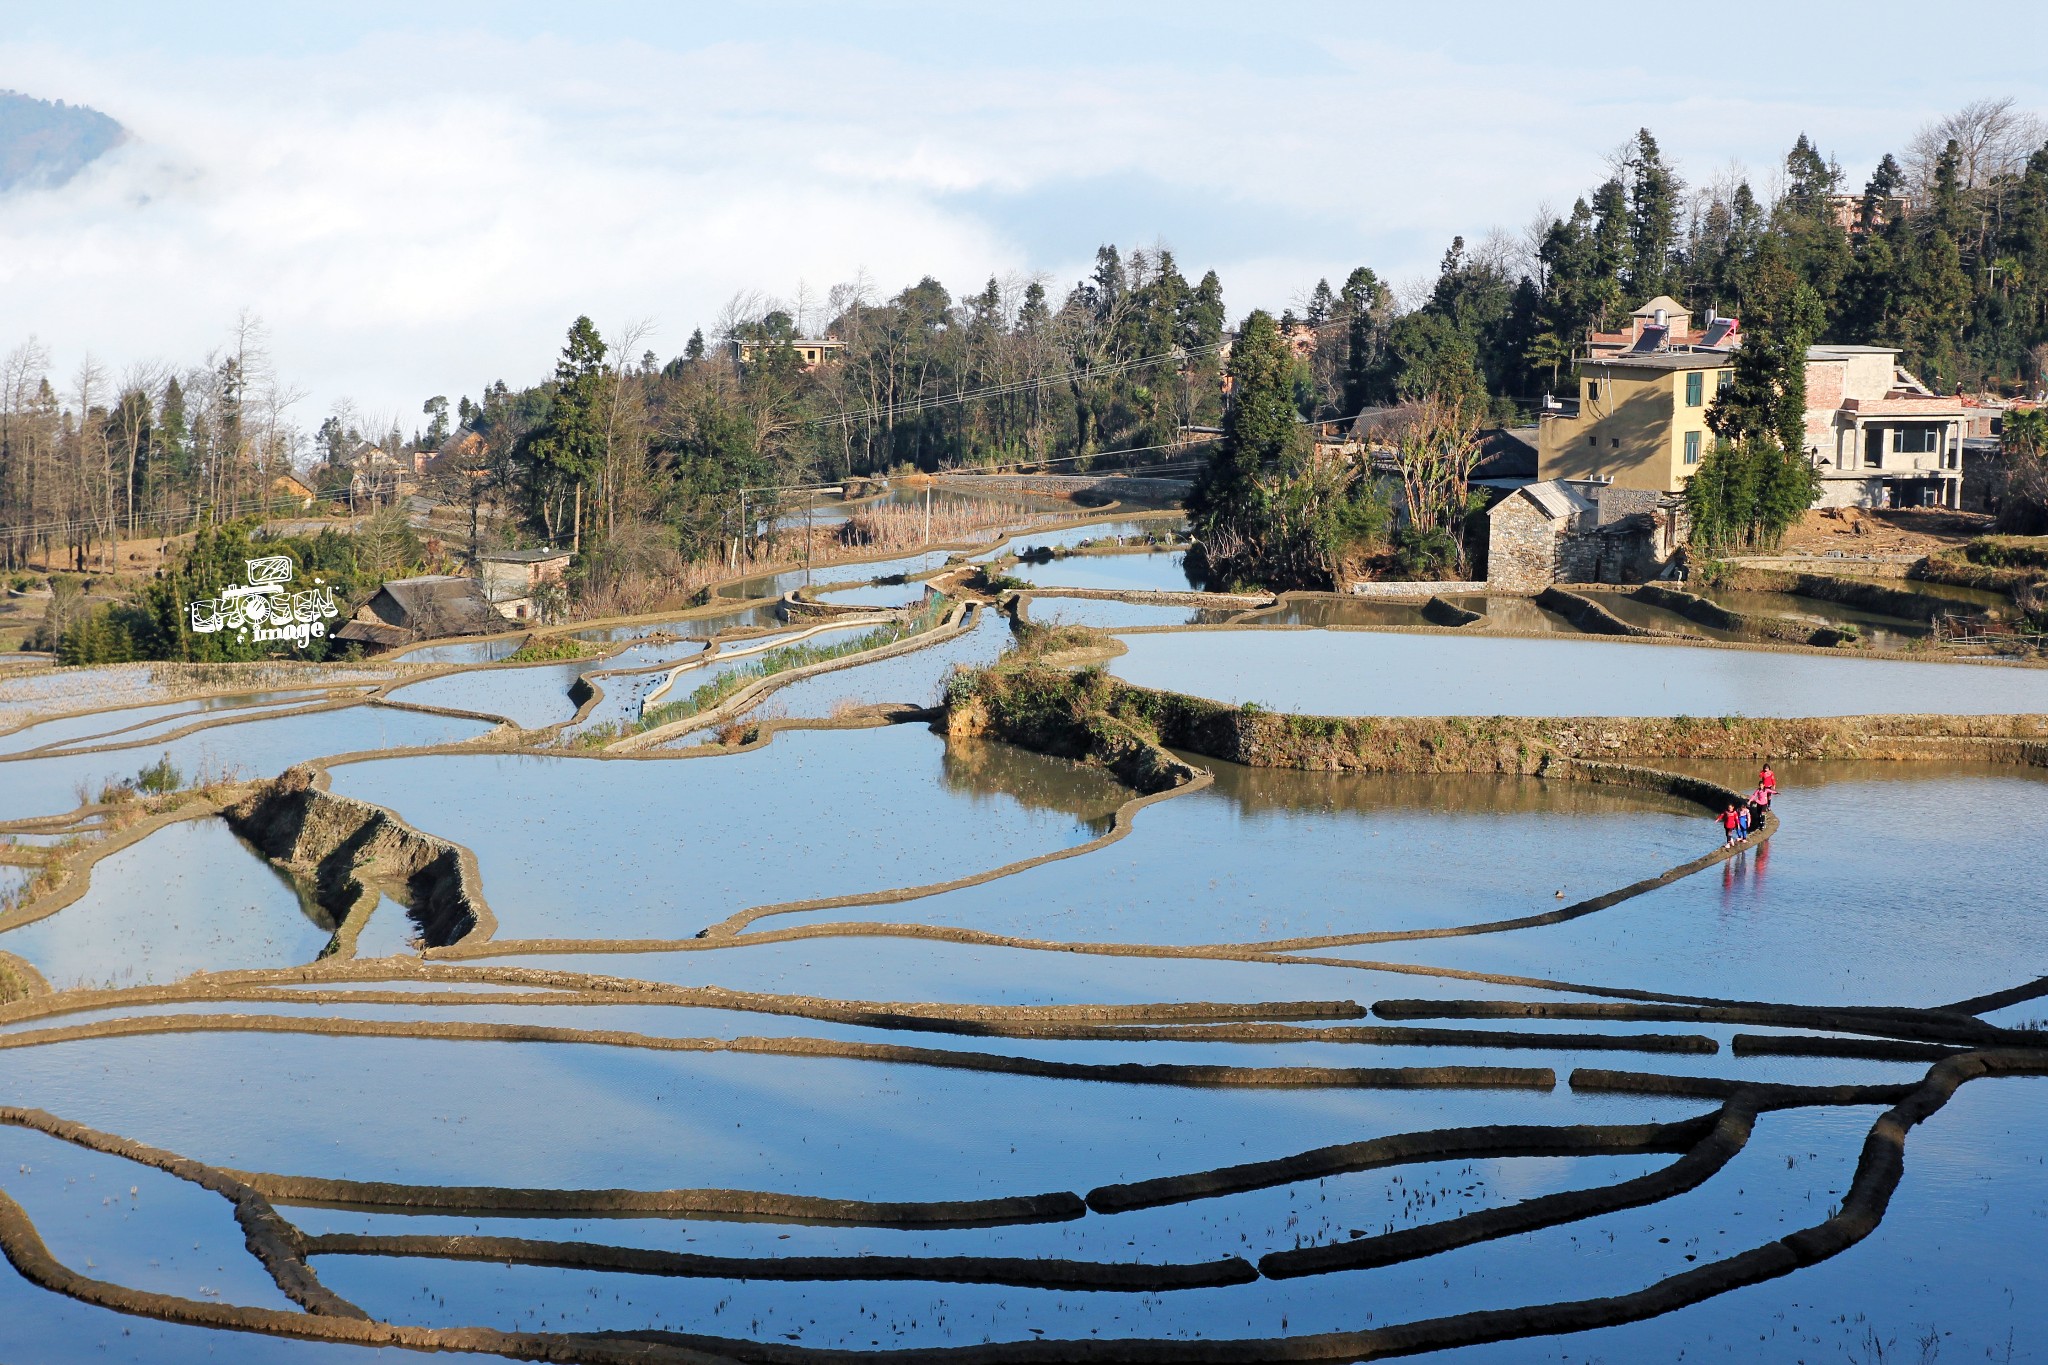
<point x="417" y="198"/>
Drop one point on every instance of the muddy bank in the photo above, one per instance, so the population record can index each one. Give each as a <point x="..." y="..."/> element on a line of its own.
<point x="349" y="849"/>
<point x="1749" y="625"/>
<point x="1847" y="592"/>
<point x="1089" y="714"/>
<point x="1588" y="615"/>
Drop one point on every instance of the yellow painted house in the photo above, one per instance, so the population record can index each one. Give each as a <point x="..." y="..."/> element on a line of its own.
<point x="1642" y="419"/>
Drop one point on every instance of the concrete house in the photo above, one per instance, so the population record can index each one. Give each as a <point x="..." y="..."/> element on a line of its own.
<point x="407" y="610"/>
<point x="810" y="352"/>
<point x="515" y="580"/>
<point x="1877" y="436"/>
<point x="1555" y="531"/>
<point x="1641" y="419"/>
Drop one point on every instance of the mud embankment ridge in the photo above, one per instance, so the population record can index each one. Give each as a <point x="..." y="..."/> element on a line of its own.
<point x="352" y="851"/>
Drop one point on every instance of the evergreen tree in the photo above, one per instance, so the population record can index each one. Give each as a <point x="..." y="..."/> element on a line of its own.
<point x="1766" y="403"/>
<point x="1817" y="246"/>
<point x="1262" y="511"/>
<point x="566" y="450"/>
<point x="1611" y="252"/>
<point x="1929" y="298"/>
<point x="1364" y="304"/>
<point x="1320" y="304"/>
<point x="1652" y="221"/>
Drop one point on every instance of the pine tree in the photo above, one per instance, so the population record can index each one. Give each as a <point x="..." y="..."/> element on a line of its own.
<point x="1321" y="303"/>
<point x="566" y="450"/>
<point x="1766" y="403"/>
<point x="1653" y="195"/>
<point x="1259" y="431"/>
<point x="1929" y="299"/>
<point x="1816" y="244"/>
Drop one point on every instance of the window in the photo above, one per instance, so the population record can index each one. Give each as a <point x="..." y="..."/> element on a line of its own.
<point x="1695" y="389"/>
<point x="1592" y="440"/>
<point x="1725" y="382"/>
<point x="1692" y="446"/>
<point x="1614" y="442"/>
<point x="1592" y="390"/>
<point x="1918" y="440"/>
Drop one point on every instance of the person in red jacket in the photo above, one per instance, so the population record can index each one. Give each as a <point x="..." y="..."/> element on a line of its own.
<point x="1766" y="786"/>
<point x="1731" y="821"/>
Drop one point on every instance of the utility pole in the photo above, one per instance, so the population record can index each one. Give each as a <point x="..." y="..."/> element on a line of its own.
<point x="927" y="515"/>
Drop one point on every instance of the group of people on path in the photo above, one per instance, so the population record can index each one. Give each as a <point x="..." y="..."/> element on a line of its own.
<point x="1743" y="816"/>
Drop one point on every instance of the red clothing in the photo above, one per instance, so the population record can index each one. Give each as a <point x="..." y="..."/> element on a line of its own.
<point x="1767" y="781"/>
<point x="1731" y="821"/>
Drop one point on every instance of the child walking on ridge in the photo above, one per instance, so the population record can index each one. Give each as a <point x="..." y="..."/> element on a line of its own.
<point x="1731" y="821"/>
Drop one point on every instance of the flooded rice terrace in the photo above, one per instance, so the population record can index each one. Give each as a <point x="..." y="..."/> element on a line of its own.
<point x="543" y="1011"/>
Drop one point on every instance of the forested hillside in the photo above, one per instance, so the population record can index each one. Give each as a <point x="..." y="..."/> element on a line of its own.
<point x="47" y="142"/>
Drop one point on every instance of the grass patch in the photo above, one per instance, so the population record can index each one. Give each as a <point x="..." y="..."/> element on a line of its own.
<point x="551" y="649"/>
<point x="782" y="660"/>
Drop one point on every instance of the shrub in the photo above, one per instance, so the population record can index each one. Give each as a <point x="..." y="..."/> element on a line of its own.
<point x="159" y="778"/>
<point x="550" y="649"/>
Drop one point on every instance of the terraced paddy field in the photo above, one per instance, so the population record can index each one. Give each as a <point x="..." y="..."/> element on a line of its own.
<point x="937" y="1002"/>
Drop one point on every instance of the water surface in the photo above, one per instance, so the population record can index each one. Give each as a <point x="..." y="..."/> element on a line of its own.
<point x="1154" y="571"/>
<point x="661" y="848"/>
<point x="1345" y="674"/>
<point x="191" y="897"/>
<point x="246" y="749"/>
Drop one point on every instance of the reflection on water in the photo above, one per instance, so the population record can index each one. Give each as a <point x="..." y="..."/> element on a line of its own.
<point x="695" y="626"/>
<point x="1104" y="613"/>
<point x="1339" y="674"/>
<point x="662" y="848"/>
<point x="1638" y="613"/>
<point x="1887" y="882"/>
<point x="191" y="897"/>
<point x="917" y="677"/>
<point x="1342" y="611"/>
<point x="876" y="595"/>
<point x="135" y="724"/>
<point x="1270" y="853"/>
<point x="1060" y="538"/>
<point x="249" y="749"/>
<point x="1885" y="632"/>
<point x="528" y="695"/>
<point x="774" y="585"/>
<point x="465" y="651"/>
<point x="1157" y="571"/>
<point x="1507" y="613"/>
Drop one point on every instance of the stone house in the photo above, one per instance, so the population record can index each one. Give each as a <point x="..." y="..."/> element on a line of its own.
<point x="517" y="581"/>
<point x="1559" y="531"/>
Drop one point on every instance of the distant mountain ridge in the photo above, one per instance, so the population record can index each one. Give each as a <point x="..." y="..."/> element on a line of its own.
<point x="47" y="142"/>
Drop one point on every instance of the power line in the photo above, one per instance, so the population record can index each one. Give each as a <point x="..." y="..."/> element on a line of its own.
<point x="120" y="521"/>
<point x="923" y="403"/>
